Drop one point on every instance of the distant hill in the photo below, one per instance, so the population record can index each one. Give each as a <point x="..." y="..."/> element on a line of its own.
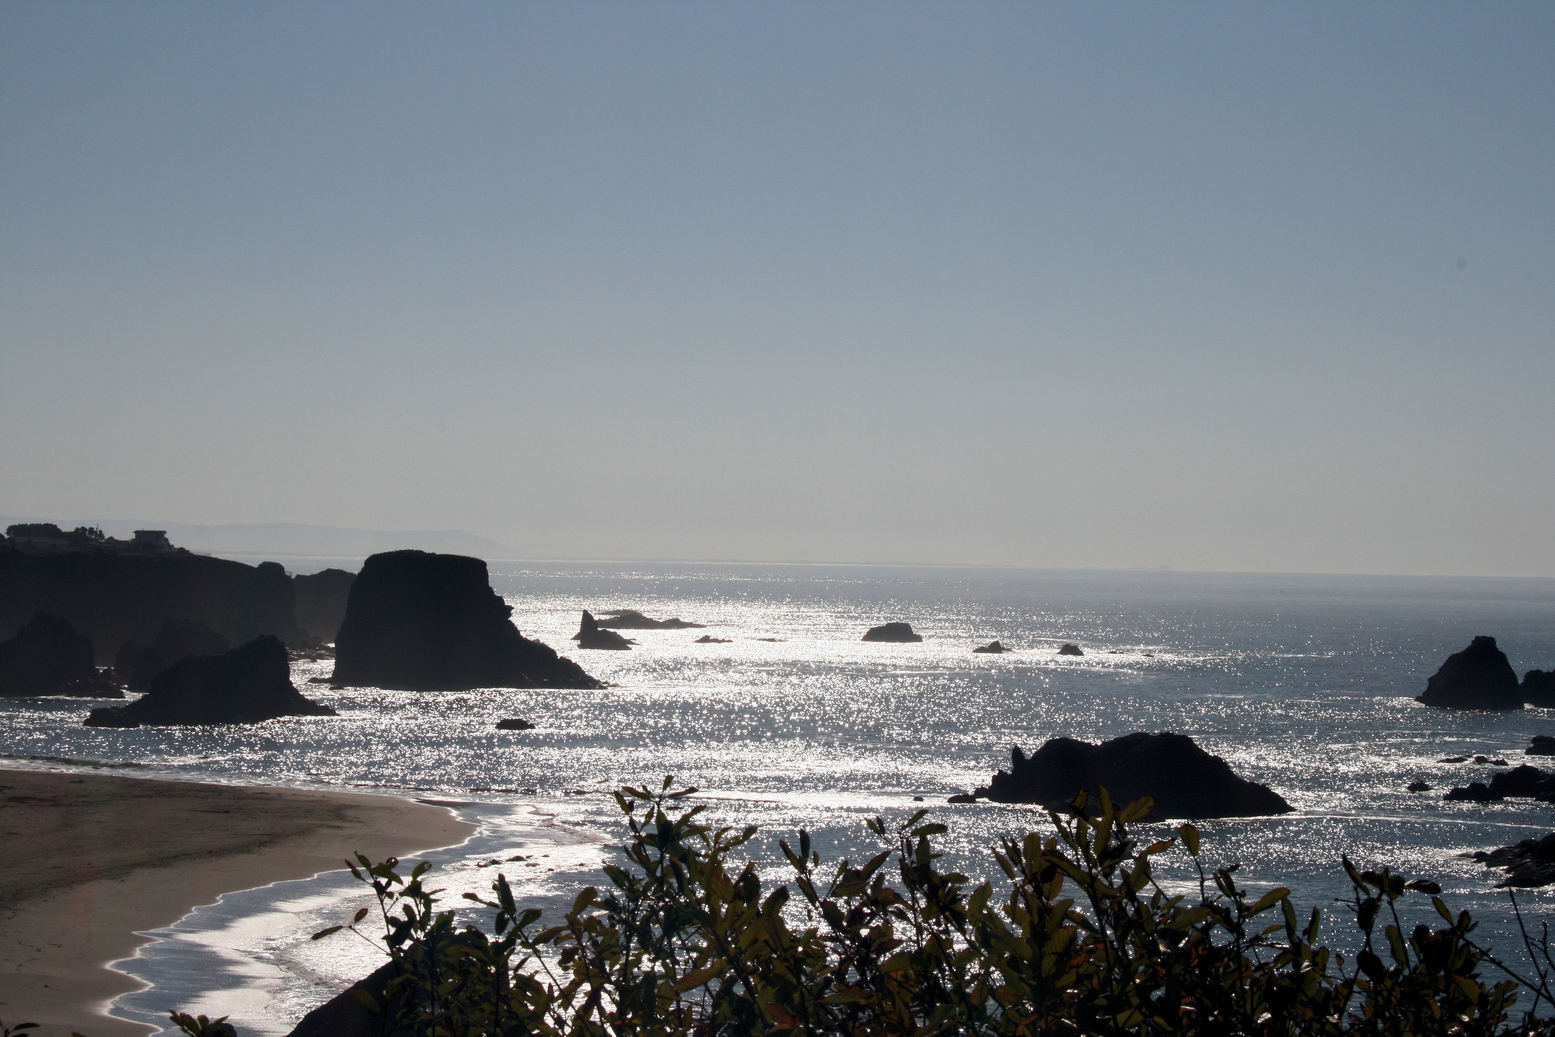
<point x="289" y="540"/>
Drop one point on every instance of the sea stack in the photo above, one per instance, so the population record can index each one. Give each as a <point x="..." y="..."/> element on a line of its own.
<point x="591" y="635"/>
<point x="244" y="686"/>
<point x="431" y="622"/>
<point x="1479" y="677"/>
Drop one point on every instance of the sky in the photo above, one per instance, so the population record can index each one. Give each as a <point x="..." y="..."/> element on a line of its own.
<point x="1215" y="286"/>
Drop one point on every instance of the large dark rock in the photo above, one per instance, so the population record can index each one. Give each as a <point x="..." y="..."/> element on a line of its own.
<point x="176" y="641"/>
<point x="1524" y="782"/>
<point x="1070" y="649"/>
<point x="249" y="684"/>
<point x="991" y="648"/>
<point x="321" y="602"/>
<point x="1541" y="745"/>
<point x="1538" y="688"/>
<point x="1183" y="779"/>
<point x="899" y="633"/>
<point x="1479" y="677"/>
<point x="1530" y="862"/>
<point x="591" y="635"/>
<point x="631" y="619"/>
<point x="114" y="598"/>
<point x="48" y="656"/>
<point x="428" y="622"/>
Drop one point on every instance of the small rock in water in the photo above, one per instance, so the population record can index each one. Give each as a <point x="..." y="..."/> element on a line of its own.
<point x="900" y="633"/>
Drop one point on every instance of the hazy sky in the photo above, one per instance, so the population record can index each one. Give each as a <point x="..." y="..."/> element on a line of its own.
<point x="1216" y="286"/>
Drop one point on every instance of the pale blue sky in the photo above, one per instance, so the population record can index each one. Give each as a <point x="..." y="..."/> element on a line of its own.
<point x="1217" y="286"/>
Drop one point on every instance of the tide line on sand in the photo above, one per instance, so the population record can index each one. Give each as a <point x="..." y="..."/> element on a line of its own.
<point x="92" y="860"/>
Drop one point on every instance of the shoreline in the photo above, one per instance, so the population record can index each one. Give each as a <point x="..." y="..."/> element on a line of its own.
<point x="98" y="859"/>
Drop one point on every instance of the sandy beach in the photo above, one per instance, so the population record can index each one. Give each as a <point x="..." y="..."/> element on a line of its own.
<point x="91" y="860"/>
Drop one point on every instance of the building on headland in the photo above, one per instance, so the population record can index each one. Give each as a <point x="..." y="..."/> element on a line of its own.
<point x="48" y="538"/>
<point x="151" y="540"/>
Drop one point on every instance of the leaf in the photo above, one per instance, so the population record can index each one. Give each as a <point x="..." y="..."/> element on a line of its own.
<point x="1269" y="899"/>
<point x="1190" y="838"/>
<point x="332" y="930"/>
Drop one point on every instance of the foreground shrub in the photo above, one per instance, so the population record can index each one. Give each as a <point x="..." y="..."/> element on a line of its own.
<point x="1080" y="938"/>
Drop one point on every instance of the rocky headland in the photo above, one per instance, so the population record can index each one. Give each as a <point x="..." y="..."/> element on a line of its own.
<point x="321" y="602"/>
<point x="118" y="596"/>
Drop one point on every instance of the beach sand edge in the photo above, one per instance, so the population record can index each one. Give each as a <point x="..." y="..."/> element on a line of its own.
<point x="96" y="859"/>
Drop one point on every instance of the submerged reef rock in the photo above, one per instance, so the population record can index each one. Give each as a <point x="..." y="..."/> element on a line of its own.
<point x="431" y="622"/>
<point x="898" y="633"/>
<point x="709" y="639"/>
<point x="176" y="641"/>
<point x="514" y="724"/>
<point x="591" y="635"/>
<point x="1069" y="649"/>
<point x="991" y="648"/>
<point x="1184" y="780"/>
<point x="1479" y="677"/>
<point x="1538" y="688"/>
<point x="321" y="602"/>
<point x="1530" y="862"/>
<point x="631" y="619"/>
<point x="249" y="684"/>
<point x="48" y="656"/>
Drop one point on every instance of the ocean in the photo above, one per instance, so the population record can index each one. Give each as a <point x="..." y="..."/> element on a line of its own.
<point x="1305" y="683"/>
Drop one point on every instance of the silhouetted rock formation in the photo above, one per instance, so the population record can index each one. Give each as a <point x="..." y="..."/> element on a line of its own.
<point x="631" y="619"/>
<point x="1524" y="782"/>
<point x="1542" y="745"/>
<point x="48" y="656"/>
<point x="514" y="724"/>
<point x="176" y="641"/>
<point x="899" y="633"/>
<point x="249" y="684"/>
<point x="991" y="648"/>
<point x="1069" y="649"/>
<point x="1184" y="780"/>
<point x="591" y="635"/>
<point x="709" y="639"/>
<point x="428" y="622"/>
<point x="1479" y="677"/>
<point x="1538" y="688"/>
<point x="114" y="598"/>
<point x="321" y="602"/>
<point x="1530" y="862"/>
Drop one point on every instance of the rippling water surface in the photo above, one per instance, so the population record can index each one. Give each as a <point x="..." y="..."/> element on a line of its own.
<point x="1304" y="683"/>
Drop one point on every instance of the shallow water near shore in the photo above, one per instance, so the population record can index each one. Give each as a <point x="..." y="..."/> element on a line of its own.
<point x="1305" y="683"/>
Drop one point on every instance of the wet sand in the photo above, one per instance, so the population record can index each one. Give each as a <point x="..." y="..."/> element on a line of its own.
<point x="90" y="860"/>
